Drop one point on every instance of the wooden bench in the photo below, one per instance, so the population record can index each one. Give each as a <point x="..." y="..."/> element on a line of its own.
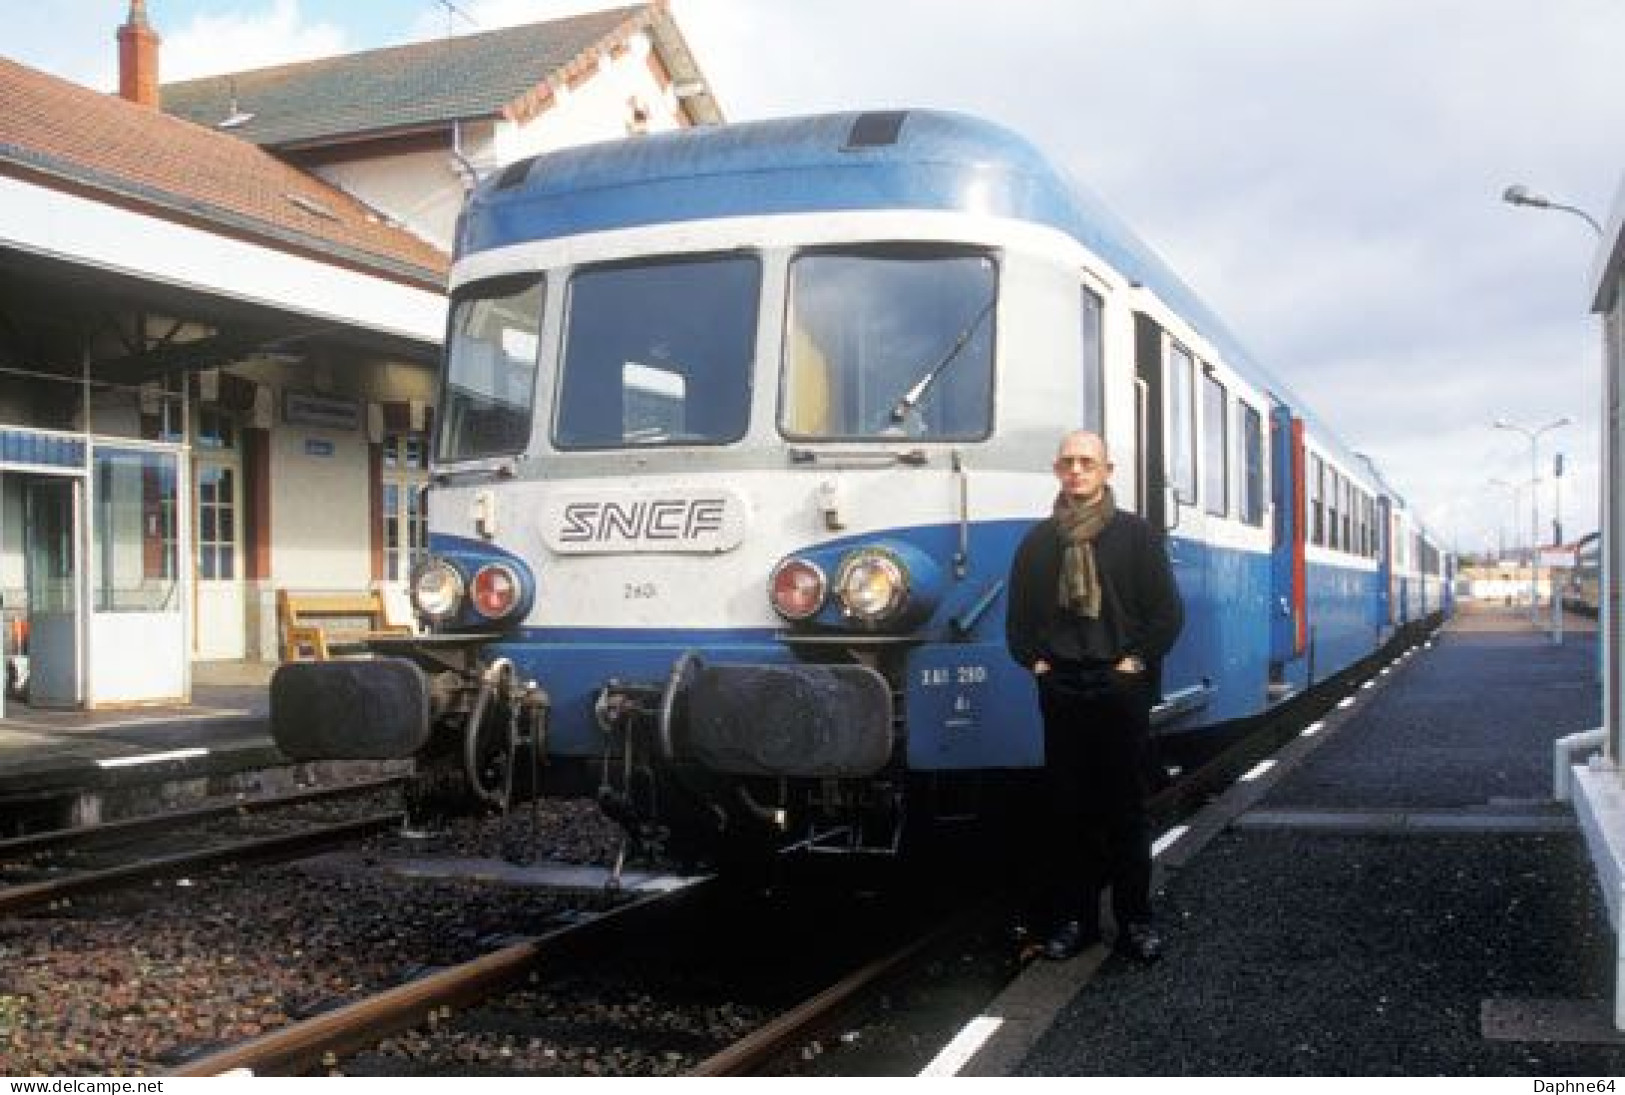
<point x="316" y="626"/>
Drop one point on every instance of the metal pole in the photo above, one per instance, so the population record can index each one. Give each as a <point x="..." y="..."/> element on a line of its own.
<point x="1557" y="542"/>
<point x="1534" y="527"/>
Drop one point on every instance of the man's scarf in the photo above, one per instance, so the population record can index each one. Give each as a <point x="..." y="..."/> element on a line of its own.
<point x="1079" y="523"/>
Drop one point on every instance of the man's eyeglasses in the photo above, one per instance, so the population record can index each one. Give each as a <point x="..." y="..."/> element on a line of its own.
<point x="1083" y="463"/>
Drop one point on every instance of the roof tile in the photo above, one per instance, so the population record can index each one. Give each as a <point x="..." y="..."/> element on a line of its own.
<point x="88" y="139"/>
<point x="399" y="87"/>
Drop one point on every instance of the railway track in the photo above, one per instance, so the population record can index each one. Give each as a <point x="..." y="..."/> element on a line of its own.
<point x="53" y="866"/>
<point x="321" y="1042"/>
<point x="316" y="1042"/>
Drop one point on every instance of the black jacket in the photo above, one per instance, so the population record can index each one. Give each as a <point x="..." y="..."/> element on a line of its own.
<point x="1142" y="605"/>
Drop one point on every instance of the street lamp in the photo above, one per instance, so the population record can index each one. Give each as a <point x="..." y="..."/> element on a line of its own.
<point x="1514" y="490"/>
<point x="1519" y="194"/>
<point x="1534" y="495"/>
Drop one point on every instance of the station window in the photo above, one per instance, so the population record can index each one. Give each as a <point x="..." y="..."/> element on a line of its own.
<point x="1252" y="465"/>
<point x="217" y="523"/>
<point x="217" y="479"/>
<point x="215" y="429"/>
<point x="1215" y="446"/>
<point x="1182" y="423"/>
<point x="405" y="468"/>
<point x="136" y="548"/>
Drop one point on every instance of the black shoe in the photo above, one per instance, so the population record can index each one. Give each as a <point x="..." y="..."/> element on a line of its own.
<point x="1139" y="941"/>
<point x="1070" y="938"/>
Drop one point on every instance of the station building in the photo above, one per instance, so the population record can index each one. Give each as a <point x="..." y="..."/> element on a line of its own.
<point x="221" y="304"/>
<point x="1598" y="786"/>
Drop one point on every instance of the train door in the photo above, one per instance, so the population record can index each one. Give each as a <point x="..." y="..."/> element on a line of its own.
<point x="1289" y="610"/>
<point x="1166" y="494"/>
<point x="1152" y="478"/>
<point x="1385" y="565"/>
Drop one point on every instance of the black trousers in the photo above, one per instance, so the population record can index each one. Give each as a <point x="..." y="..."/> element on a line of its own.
<point x="1097" y="726"/>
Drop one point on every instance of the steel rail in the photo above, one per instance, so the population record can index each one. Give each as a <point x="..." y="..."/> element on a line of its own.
<point x="14" y="898"/>
<point x="770" y="1041"/>
<point x="295" y="1048"/>
<point x="54" y="838"/>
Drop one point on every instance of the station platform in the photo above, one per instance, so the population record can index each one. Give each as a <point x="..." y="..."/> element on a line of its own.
<point x="46" y="753"/>
<point x="1399" y="895"/>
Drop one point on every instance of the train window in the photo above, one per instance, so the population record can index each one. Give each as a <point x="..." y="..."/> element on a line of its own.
<point x="1252" y="465"/>
<point x="1317" y="499"/>
<point x="889" y="342"/>
<point x="1182" y="423"/>
<point x="1334" y="508"/>
<point x="1215" y="446"/>
<point x="1094" y="355"/>
<point x="1344" y="494"/>
<point x="1347" y="511"/>
<point x="490" y="369"/>
<point x="658" y="353"/>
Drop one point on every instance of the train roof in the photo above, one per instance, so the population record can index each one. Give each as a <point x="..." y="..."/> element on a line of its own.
<point x="913" y="159"/>
<point x="904" y="159"/>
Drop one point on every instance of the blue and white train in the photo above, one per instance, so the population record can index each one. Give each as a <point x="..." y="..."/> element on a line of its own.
<point x="739" y="428"/>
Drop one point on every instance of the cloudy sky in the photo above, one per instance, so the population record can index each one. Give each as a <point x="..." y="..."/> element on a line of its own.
<point x="1327" y="173"/>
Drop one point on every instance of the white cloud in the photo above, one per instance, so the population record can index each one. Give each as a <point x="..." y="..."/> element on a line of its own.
<point x="238" y="39"/>
<point x="1327" y="175"/>
<point x="471" y="16"/>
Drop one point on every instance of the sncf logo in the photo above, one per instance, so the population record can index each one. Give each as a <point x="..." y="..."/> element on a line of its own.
<point x="667" y="521"/>
<point x="620" y="522"/>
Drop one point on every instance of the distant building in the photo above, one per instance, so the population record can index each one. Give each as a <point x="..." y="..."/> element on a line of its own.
<point x="218" y="342"/>
<point x="1506" y="583"/>
<point x="409" y="127"/>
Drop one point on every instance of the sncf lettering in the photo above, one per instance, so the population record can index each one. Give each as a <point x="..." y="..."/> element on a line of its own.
<point x="653" y="521"/>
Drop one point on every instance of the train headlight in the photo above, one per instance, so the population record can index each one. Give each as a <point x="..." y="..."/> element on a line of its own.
<point x="872" y="586"/>
<point x="495" y="591"/>
<point x="437" y="590"/>
<point x="797" y="589"/>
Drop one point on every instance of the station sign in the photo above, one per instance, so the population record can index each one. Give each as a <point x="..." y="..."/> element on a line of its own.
<point x="1557" y="558"/>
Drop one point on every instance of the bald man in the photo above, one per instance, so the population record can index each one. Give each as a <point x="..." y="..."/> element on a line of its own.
<point x="1092" y="611"/>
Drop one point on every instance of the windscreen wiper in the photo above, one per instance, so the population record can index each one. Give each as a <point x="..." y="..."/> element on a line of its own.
<point x="912" y="397"/>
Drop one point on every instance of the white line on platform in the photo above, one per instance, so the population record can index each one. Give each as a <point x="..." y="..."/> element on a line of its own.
<point x="971" y="1038"/>
<point x="1257" y="770"/>
<point x="1166" y="840"/>
<point x="152" y="758"/>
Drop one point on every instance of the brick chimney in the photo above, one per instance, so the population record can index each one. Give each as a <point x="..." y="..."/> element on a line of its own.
<point x="138" y="58"/>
